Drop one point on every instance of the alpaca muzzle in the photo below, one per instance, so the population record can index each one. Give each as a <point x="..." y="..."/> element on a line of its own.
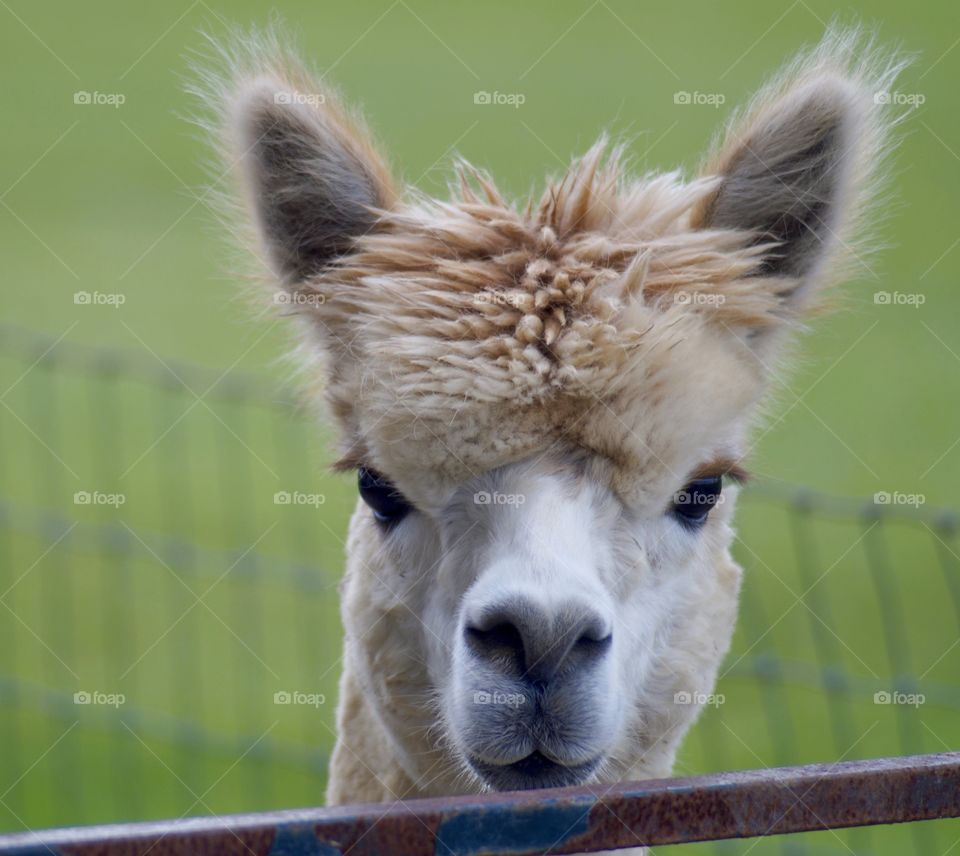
<point x="536" y="702"/>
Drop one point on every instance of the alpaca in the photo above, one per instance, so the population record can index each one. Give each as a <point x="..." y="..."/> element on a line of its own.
<point x="547" y="406"/>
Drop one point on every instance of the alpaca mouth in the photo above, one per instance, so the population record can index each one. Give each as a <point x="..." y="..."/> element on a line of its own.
<point x="534" y="771"/>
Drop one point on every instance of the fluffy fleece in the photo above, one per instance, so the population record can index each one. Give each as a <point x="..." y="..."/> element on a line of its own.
<point x="591" y="350"/>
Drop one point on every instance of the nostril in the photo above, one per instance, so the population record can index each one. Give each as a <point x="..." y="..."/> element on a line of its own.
<point x="590" y="644"/>
<point x="523" y="640"/>
<point x="502" y="639"/>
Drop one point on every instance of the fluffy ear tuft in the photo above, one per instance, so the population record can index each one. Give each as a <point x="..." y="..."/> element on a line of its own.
<point x="797" y="167"/>
<point x="312" y="180"/>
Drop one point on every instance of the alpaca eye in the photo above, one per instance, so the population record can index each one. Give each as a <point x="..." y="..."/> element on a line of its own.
<point x="692" y="505"/>
<point x="388" y="504"/>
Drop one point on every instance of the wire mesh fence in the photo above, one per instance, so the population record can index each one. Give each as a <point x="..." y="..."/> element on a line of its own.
<point x="171" y="544"/>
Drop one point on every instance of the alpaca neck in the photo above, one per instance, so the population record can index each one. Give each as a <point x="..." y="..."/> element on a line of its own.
<point x="364" y="766"/>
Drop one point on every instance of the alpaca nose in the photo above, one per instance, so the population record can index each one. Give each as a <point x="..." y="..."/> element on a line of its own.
<point x="528" y="640"/>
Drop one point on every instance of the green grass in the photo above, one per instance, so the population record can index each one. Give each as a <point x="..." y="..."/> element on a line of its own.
<point x="99" y="199"/>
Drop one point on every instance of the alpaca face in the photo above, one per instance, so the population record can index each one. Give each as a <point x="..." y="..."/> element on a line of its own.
<point x="544" y="404"/>
<point x="559" y="622"/>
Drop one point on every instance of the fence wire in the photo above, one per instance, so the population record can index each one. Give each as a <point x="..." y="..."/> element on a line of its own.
<point x="170" y="546"/>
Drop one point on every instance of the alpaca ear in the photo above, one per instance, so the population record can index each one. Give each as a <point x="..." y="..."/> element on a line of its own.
<point x="312" y="178"/>
<point x="794" y="171"/>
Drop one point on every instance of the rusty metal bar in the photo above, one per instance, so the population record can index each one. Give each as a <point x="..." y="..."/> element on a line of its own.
<point x="560" y="820"/>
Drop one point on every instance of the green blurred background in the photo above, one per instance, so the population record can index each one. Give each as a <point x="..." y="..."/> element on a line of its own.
<point x="200" y="597"/>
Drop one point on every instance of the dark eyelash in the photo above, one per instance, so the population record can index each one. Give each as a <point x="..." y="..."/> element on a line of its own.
<point x="727" y="469"/>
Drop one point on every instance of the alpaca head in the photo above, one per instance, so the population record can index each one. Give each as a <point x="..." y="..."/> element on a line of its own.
<point x="547" y="405"/>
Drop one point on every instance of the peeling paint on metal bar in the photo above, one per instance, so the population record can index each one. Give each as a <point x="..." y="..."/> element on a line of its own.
<point x="562" y="820"/>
